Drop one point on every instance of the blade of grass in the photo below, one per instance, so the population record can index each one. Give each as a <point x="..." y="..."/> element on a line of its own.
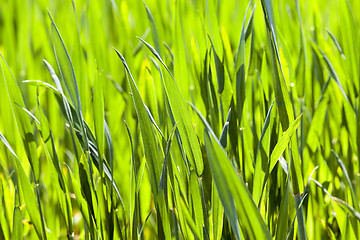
<point x="22" y="120"/>
<point x="232" y="190"/>
<point x="154" y="32"/>
<point x="28" y="193"/>
<point x="17" y="233"/>
<point x="352" y="188"/>
<point x="283" y="142"/>
<point x="285" y="108"/>
<point x="150" y="145"/>
<point x="260" y="172"/>
<point x="181" y="114"/>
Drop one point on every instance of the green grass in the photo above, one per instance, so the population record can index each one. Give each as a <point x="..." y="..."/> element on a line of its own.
<point x="179" y="119"/>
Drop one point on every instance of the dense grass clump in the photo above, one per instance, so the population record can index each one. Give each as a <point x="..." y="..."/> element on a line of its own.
<point x="179" y="119"/>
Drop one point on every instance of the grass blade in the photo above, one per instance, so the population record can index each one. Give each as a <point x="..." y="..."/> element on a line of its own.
<point x="181" y="114"/>
<point x="232" y="190"/>
<point x="152" y="153"/>
<point x="17" y="233"/>
<point x="21" y="118"/>
<point x="28" y="192"/>
<point x="283" y="142"/>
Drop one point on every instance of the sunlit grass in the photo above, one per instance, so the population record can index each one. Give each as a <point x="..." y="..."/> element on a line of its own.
<point x="179" y="119"/>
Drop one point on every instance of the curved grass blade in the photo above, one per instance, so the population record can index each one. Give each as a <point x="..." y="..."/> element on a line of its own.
<point x="341" y="215"/>
<point x="29" y="113"/>
<point x="154" y="32"/>
<point x="223" y="136"/>
<point x="65" y="65"/>
<point x="232" y="190"/>
<point x="189" y="220"/>
<point x="352" y="188"/>
<point x="250" y="24"/>
<point x="181" y="115"/>
<point x="83" y="205"/>
<point x="331" y="70"/>
<point x="50" y="151"/>
<point x="22" y="120"/>
<point x="352" y="210"/>
<point x="336" y="43"/>
<point x="285" y="107"/>
<point x="283" y="142"/>
<point x="150" y="146"/>
<point x="152" y="153"/>
<point x="38" y="83"/>
<point x="28" y="192"/>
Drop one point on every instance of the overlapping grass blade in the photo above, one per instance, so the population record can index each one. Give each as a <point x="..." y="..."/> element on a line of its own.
<point x="65" y="66"/>
<point x="21" y="117"/>
<point x="17" y="232"/>
<point x="260" y="172"/>
<point x="285" y="108"/>
<point x="74" y="122"/>
<point x="224" y="132"/>
<point x="283" y="142"/>
<point x="351" y="185"/>
<point x="239" y="62"/>
<point x="4" y="223"/>
<point x="152" y="153"/>
<point x="336" y="43"/>
<point x="154" y="32"/>
<point x="27" y="191"/>
<point x="232" y="190"/>
<point x="181" y="115"/>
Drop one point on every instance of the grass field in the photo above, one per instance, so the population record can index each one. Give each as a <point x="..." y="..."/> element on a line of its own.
<point x="179" y="119"/>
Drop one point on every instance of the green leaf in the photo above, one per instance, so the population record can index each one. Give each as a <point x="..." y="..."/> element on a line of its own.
<point x="232" y="189"/>
<point x="260" y="172"/>
<point x="336" y="43"/>
<point x="17" y="219"/>
<point x="283" y="142"/>
<point x="189" y="220"/>
<point x="83" y="205"/>
<point x="351" y="185"/>
<point x="182" y="116"/>
<point x="332" y="71"/>
<point x="281" y="228"/>
<point x="28" y="192"/>
<point x="154" y="32"/>
<point x="4" y="223"/>
<point x="223" y="136"/>
<point x="22" y="120"/>
<point x="152" y="152"/>
<point x="219" y="64"/>
<point x="99" y="117"/>
<point x="65" y="65"/>
<point x="196" y="202"/>
<point x="217" y="210"/>
<point x="240" y="71"/>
